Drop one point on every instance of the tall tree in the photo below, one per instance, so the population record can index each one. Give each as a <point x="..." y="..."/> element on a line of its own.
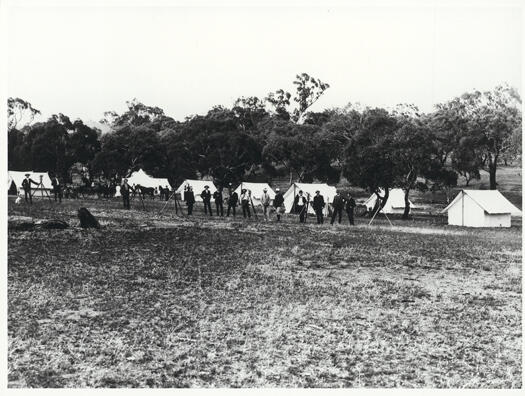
<point x="137" y="114"/>
<point x="490" y="118"/>
<point x="307" y="91"/>
<point x="19" y="113"/>
<point x="369" y="160"/>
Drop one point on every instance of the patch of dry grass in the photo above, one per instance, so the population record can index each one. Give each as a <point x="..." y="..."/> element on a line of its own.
<point x="156" y="300"/>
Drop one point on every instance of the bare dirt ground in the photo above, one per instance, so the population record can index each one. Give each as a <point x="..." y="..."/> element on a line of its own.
<point x="159" y="300"/>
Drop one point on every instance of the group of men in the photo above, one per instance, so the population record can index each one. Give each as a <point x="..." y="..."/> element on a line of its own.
<point x="300" y="205"/>
<point x="233" y="201"/>
<point x="339" y="203"/>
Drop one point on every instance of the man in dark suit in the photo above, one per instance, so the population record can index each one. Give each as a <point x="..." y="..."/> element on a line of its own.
<point x="189" y="198"/>
<point x="217" y="197"/>
<point x="57" y="188"/>
<point x="300" y="206"/>
<point x="233" y="199"/>
<point x="26" y="185"/>
<point x="125" y="191"/>
<point x="318" y="205"/>
<point x="206" y="199"/>
<point x="350" y="206"/>
<point x="337" y="204"/>
<point x="278" y="203"/>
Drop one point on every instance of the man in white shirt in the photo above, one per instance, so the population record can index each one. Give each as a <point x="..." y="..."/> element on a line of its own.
<point x="265" y="202"/>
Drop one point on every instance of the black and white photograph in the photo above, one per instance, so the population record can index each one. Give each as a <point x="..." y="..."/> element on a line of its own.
<point x="284" y="195"/>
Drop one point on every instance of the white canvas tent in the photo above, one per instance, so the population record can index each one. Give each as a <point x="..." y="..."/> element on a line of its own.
<point x="257" y="191"/>
<point x="198" y="187"/>
<point x="328" y="193"/>
<point x="17" y="177"/>
<point x="145" y="180"/>
<point x="395" y="203"/>
<point x="481" y="208"/>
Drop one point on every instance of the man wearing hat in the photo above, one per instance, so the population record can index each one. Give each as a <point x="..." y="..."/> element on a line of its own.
<point x="349" y="206"/>
<point x="189" y="198"/>
<point x="246" y="196"/>
<point x="233" y="199"/>
<point x="318" y="205"/>
<point x="278" y="203"/>
<point x="265" y="202"/>
<point x="217" y="197"/>
<point x="57" y="188"/>
<point x="337" y="204"/>
<point x="26" y="185"/>
<point x="124" y="191"/>
<point x="300" y="206"/>
<point x="206" y="199"/>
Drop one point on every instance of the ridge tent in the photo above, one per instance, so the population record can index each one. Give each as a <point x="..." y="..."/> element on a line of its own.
<point x="257" y="191"/>
<point x="328" y="193"/>
<point x="145" y="180"/>
<point x="198" y="187"/>
<point x="395" y="203"/>
<point x="481" y="208"/>
<point x="17" y="177"/>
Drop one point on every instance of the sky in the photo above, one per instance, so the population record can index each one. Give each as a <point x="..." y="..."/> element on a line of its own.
<point x="82" y="61"/>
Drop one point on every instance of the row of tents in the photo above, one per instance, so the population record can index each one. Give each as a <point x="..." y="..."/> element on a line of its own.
<point x="472" y="208"/>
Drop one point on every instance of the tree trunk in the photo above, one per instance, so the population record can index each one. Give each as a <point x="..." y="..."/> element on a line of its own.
<point x="407" y="205"/>
<point x="492" y="176"/>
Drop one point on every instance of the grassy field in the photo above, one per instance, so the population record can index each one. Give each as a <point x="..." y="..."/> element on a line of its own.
<point x="158" y="300"/>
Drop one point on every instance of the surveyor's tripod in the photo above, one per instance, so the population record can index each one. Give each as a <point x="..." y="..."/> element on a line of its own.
<point x="42" y="189"/>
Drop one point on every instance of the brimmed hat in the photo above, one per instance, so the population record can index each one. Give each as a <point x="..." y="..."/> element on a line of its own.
<point x="28" y="174"/>
<point x="265" y="189"/>
<point x="206" y="186"/>
<point x="317" y="191"/>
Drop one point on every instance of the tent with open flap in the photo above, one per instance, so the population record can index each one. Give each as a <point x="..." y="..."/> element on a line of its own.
<point x="16" y="178"/>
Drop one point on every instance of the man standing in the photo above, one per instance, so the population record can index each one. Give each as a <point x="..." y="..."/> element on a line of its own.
<point x="245" y="202"/>
<point x="350" y="205"/>
<point x="337" y="204"/>
<point x="189" y="198"/>
<point x="265" y="202"/>
<point x="318" y="206"/>
<point x="233" y="199"/>
<point x="26" y="185"/>
<point x="300" y="206"/>
<point x="217" y="197"/>
<point x="124" y="191"/>
<point x="278" y="203"/>
<point x="57" y="188"/>
<point x="206" y="199"/>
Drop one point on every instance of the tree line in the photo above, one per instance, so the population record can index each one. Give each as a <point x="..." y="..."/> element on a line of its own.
<point x="278" y="136"/>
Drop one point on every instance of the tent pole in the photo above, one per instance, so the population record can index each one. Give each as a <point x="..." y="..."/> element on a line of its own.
<point x="293" y="201"/>
<point x="374" y="216"/>
<point x="462" y="207"/>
